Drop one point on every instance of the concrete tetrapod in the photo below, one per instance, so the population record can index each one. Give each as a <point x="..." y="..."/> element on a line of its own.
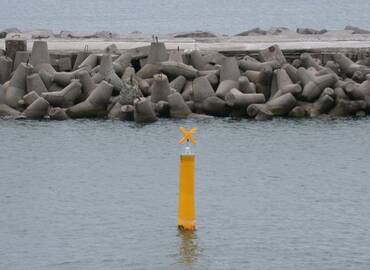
<point x="187" y="91"/>
<point x="332" y="66"/>
<point x="214" y="58"/>
<point x="144" y="112"/>
<point x="64" y="78"/>
<point x="359" y="76"/>
<point x="308" y="61"/>
<point x="35" y="83"/>
<point x="66" y="97"/>
<point x="160" y="88"/>
<point x="312" y="71"/>
<point x="215" y="106"/>
<point x="128" y="94"/>
<point x="191" y="105"/>
<point x="17" y="86"/>
<point x="20" y="57"/>
<point x="263" y="115"/>
<point x="122" y="112"/>
<point x="178" y="83"/>
<point x="196" y="60"/>
<point x="245" y="86"/>
<point x="345" y="107"/>
<point x="229" y="69"/>
<point x="95" y="70"/>
<point x="285" y="84"/>
<point x="47" y="78"/>
<point x="304" y="76"/>
<point x="202" y="89"/>
<point x="2" y="94"/>
<point x="143" y="85"/>
<point x="38" y="109"/>
<point x="298" y="112"/>
<point x="365" y="86"/>
<point x="274" y="86"/>
<point x="272" y="53"/>
<point x="340" y="94"/>
<point x="213" y="79"/>
<point x="322" y="105"/>
<point x="40" y="53"/>
<point x="178" y="107"/>
<point x="354" y="92"/>
<point x="325" y="71"/>
<point x="115" y="112"/>
<point x="6" y="64"/>
<point x="128" y="112"/>
<point x="40" y="58"/>
<point x="55" y="87"/>
<point x="175" y="69"/>
<point x="257" y="66"/>
<point x="7" y="111"/>
<point x="348" y="66"/>
<point x="88" y="85"/>
<point x="148" y="71"/>
<point x="209" y="72"/>
<point x="292" y="72"/>
<point x="358" y="91"/>
<point x="96" y="103"/>
<point x="328" y="91"/>
<point x="157" y="53"/>
<point x="106" y="72"/>
<point x="28" y="99"/>
<point x="128" y="75"/>
<point x="225" y="86"/>
<point x="81" y="56"/>
<point x="278" y="107"/>
<point x="343" y="83"/>
<point x="263" y="82"/>
<point x="162" y="109"/>
<point x="253" y="76"/>
<point x="117" y="68"/>
<point x="124" y="60"/>
<point x="313" y="86"/>
<point x="89" y="63"/>
<point x="237" y="99"/>
<point x="57" y="113"/>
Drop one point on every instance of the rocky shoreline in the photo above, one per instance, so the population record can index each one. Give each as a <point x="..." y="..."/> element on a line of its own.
<point x="165" y="83"/>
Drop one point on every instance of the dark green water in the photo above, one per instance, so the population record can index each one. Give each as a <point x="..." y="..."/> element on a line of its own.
<point x="283" y="194"/>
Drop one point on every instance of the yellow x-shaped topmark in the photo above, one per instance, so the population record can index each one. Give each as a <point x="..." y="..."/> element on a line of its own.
<point x="188" y="135"/>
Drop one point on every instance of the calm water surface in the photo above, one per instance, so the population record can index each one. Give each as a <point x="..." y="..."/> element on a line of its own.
<point x="283" y="194"/>
<point x="158" y="16"/>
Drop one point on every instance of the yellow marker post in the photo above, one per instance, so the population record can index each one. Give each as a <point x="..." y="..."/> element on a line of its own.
<point x="186" y="214"/>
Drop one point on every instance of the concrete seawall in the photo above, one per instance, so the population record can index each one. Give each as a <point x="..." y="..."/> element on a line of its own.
<point x="292" y="48"/>
<point x="207" y="44"/>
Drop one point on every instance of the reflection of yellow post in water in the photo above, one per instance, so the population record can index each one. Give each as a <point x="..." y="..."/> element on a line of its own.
<point x="188" y="249"/>
<point x="186" y="215"/>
